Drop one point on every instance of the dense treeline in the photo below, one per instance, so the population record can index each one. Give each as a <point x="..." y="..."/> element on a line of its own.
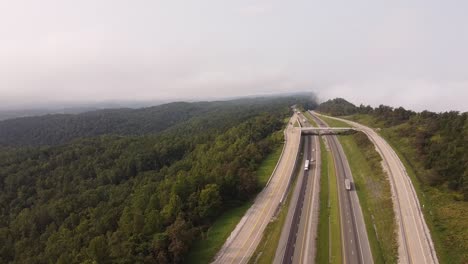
<point x="440" y="139"/>
<point x="61" y="128"/>
<point x="133" y="199"/>
<point x="337" y="107"/>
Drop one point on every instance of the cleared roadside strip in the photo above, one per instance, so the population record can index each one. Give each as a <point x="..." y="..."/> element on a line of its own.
<point x="280" y="157"/>
<point x="242" y="242"/>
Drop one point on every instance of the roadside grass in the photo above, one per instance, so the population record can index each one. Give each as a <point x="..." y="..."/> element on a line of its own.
<point x="335" y="224"/>
<point x="367" y="120"/>
<point x="268" y="165"/>
<point x="296" y="124"/>
<point x="266" y="249"/>
<point x="333" y="122"/>
<point x="208" y="244"/>
<point x="323" y="248"/>
<point x="310" y="119"/>
<point x="373" y="189"/>
<point x="206" y="247"/>
<point x="445" y="213"/>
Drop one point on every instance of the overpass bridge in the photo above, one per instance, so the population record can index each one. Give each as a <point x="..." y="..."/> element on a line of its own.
<point x="328" y="130"/>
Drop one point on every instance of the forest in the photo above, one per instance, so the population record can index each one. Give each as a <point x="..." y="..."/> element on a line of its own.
<point x="434" y="149"/>
<point x="56" y="129"/>
<point x="439" y="139"/>
<point x="129" y="191"/>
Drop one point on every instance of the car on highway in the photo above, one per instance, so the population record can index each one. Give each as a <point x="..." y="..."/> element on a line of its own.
<point x="347" y="184"/>
<point x="306" y="166"/>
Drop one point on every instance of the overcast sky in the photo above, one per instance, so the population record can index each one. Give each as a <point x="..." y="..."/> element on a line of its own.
<point x="410" y="53"/>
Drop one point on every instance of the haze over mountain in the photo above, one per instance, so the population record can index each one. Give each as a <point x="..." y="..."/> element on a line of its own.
<point x="407" y="53"/>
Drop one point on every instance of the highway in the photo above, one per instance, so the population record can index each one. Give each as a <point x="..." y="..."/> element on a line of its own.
<point x="415" y="242"/>
<point x="298" y="238"/>
<point x="355" y="243"/>
<point x="245" y="238"/>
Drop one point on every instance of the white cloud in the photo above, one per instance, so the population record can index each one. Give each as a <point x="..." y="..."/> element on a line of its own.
<point x="398" y="53"/>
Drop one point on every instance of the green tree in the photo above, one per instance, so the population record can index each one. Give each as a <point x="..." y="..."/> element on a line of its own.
<point x="98" y="250"/>
<point x="210" y="201"/>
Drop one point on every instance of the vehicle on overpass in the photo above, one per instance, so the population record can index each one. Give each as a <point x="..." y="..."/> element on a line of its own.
<point x="306" y="166"/>
<point x="347" y="184"/>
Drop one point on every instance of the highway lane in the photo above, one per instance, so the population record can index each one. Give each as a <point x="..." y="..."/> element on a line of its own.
<point x="285" y="232"/>
<point x="245" y="238"/>
<point x="355" y="243"/>
<point x="305" y="248"/>
<point x="298" y="238"/>
<point x="415" y="242"/>
<point x="293" y="231"/>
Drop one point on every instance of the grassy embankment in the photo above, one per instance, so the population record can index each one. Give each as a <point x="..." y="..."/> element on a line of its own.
<point x="334" y="220"/>
<point x="445" y="212"/>
<point x="310" y="119"/>
<point x="206" y="247"/>
<point x="329" y="228"/>
<point x="373" y="189"/>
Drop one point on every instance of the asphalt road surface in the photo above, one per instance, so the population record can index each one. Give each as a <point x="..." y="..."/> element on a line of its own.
<point x="298" y="238"/>
<point x="245" y="238"/>
<point x="415" y="242"/>
<point x="355" y="243"/>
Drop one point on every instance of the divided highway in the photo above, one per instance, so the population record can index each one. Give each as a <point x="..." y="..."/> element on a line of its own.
<point x="245" y="238"/>
<point x="415" y="242"/>
<point x="355" y="243"/>
<point x="298" y="238"/>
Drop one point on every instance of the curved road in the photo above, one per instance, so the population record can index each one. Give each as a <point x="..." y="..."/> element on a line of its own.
<point x="415" y="242"/>
<point x="245" y="238"/>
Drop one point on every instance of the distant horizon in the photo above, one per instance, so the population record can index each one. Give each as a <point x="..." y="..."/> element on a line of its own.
<point x="128" y="103"/>
<point x="399" y="53"/>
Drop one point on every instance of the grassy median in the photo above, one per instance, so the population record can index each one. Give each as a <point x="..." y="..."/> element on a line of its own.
<point x="335" y="223"/>
<point x="310" y="119"/>
<point x="329" y="230"/>
<point x="323" y="249"/>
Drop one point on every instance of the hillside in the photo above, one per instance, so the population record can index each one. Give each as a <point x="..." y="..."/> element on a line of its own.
<point x="337" y="107"/>
<point x="134" y="199"/>
<point x="61" y="128"/>
<point x="434" y="147"/>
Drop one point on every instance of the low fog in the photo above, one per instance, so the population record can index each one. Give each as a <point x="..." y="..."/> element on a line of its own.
<point x="408" y="53"/>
